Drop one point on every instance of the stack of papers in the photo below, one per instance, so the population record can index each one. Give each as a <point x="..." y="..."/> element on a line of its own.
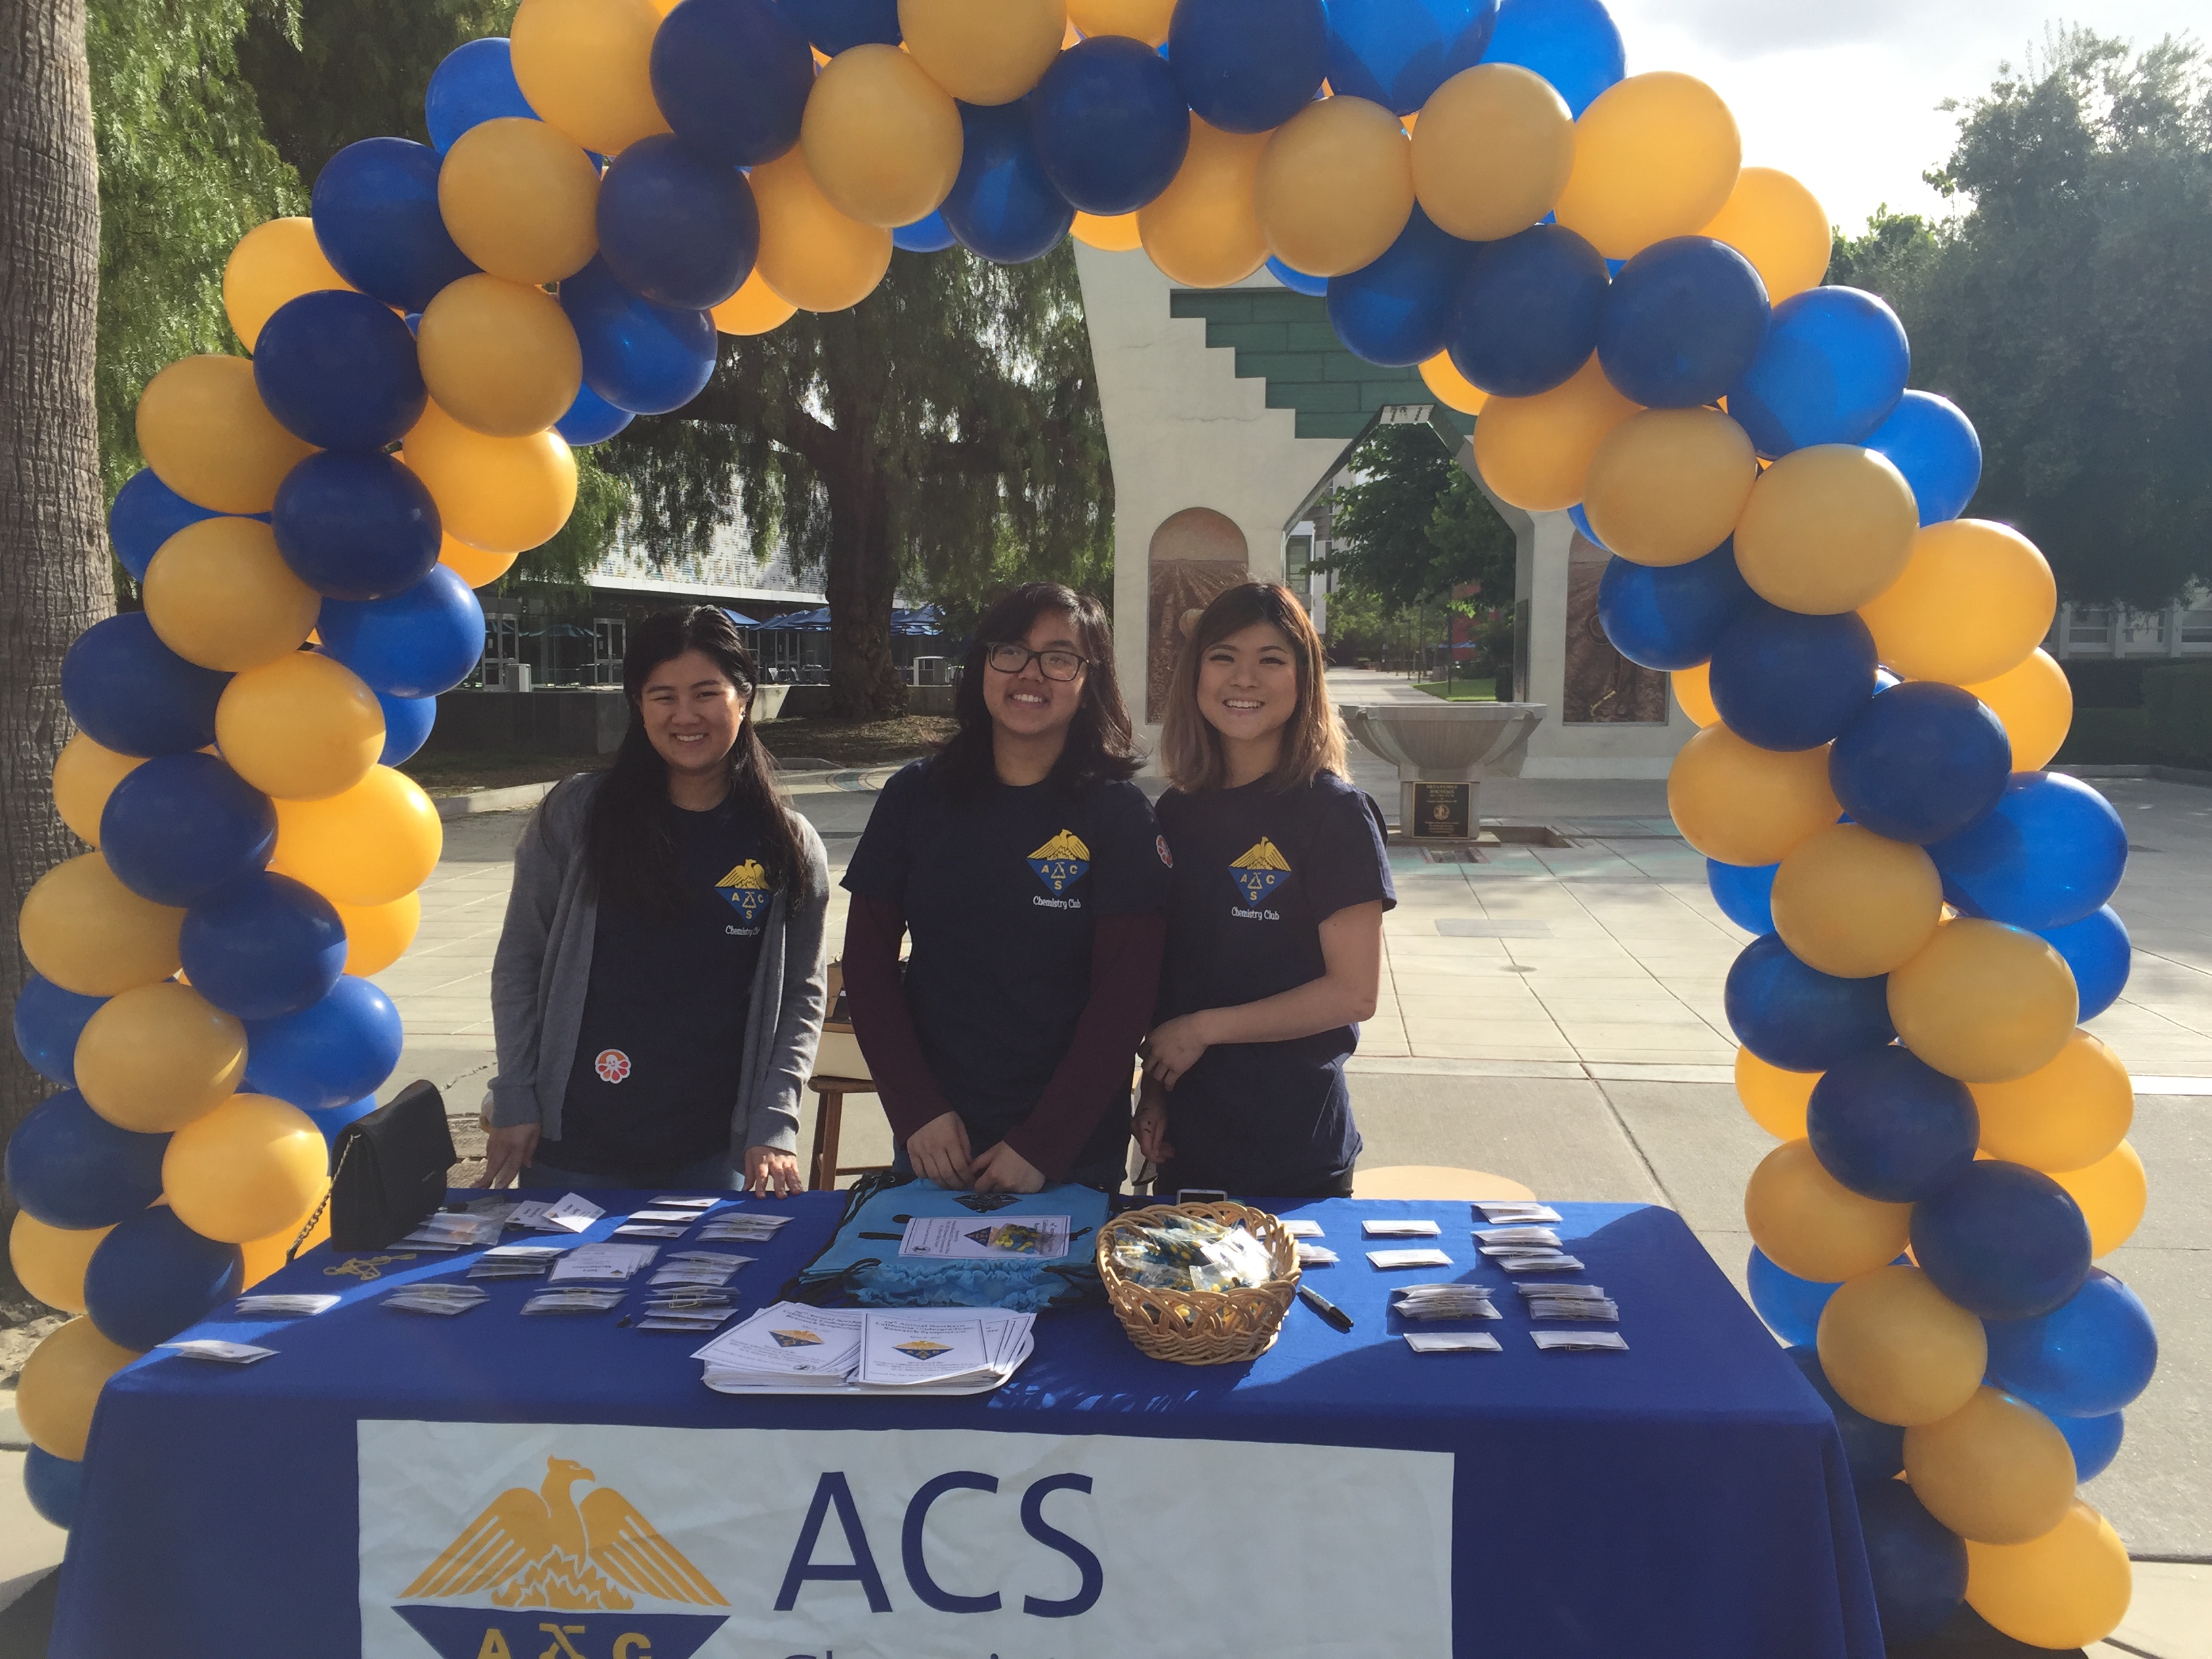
<point x="1579" y="1341"/>
<point x="742" y="1227"/>
<point x="1302" y="1228"/>
<point x="227" y="1353"/>
<point x="664" y="1219"/>
<point x="1452" y="1342"/>
<point x="687" y="1310"/>
<point x="569" y="1214"/>
<point x="436" y="1298"/>
<point x="1443" y="1302"/>
<point x="618" y="1263"/>
<point x="1400" y="1229"/>
<point x="516" y="1260"/>
<point x="1514" y="1212"/>
<point x="648" y="1229"/>
<point x="273" y="1304"/>
<point x="697" y="1206"/>
<point x="1583" y="1302"/>
<point x="1408" y="1259"/>
<point x="452" y="1229"/>
<point x="791" y="1348"/>
<point x="1519" y="1235"/>
<point x="576" y="1301"/>
<point x="1531" y="1258"/>
<point x="711" y="1269"/>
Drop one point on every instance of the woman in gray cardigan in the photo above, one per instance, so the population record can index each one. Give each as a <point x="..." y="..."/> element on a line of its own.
<point x="658" y="991"/>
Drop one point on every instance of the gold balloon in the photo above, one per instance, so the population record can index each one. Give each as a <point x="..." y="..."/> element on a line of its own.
<point x="204" y="429"/>
<point x="378" y="935"/>
<point x="882" y="139"/>
<point x="273" y="264"/>
<point x="2035" y="701"/>
<point x="1983" y="1002"/>
<point x="502" y="495"/>
<point x="1897" y="1349"/>
<point x="1780" y="227"/>
<point x="1854" y="904"/>
<point x="1203" y="229"/>
<point x="1744" y="805"/>
<point x="2068" y="1588"/>
<point x="158" y="1056"/>
<point x="813" y="256"/>
<point x="984" y="52"/>
<point x="1335" y="186"/>
<point x="302" y="728"/>
<point x="499" y="357"/>
<point x="220" y="594"/>
<point x="1534" y="452"/>
<point x="1996" y="1471"/>
<point x="1453" y="389"/>
<point x="472" y="564"/>
<point x="1810" y="1225"/>
<point x="2112" y="1193"/>
<point x="1143" y="20"/>
<point x="372" y="845"/>
<point x="1974" y="601"/>
<point x="1113" y="233"/>
<point x="85" y="774"/>
<point x="61" y="1383"/>
<point x="585" y="66"/>
<point x="1774" y="1098"/>
<point x="245" y="1169"/>
<point x="520" y="200"/>
<point x="90" y="933"/>
<point x="1493" y="151"/>
<point x="1667" y="486"/>
<point x="1694" y="691"/>
<point x="50" y="1262"/>
<point x="753" y="309"/>
<point x="1655" y="155"/>
<point x="1826" y="529"/>
<point x="2066" y="1116"/>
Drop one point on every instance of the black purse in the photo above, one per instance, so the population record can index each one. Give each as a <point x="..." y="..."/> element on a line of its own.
<point x="389" y="1171"/>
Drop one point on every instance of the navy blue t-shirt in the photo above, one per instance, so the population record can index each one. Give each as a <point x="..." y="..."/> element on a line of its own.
<point x="1001" y="891"/>
<point x="1256" y="872"/>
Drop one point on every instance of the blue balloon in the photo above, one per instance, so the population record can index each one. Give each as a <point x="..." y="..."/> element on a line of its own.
<point x="332" y="1120"/>
<point x="1789" y="1305"/>
<point x="590" y="420"/>
<point x="639" y="356"/>
<point x="54" y="1484"/>
<point x="1528" y="311"/>
<point x="836" y="26"/>
<point x="930" y="235"/>
<point x="1798" y="1018"/>
<point x="180" y="827"/>
<point x="146" y="513"/>
<point x="2097" y="950"/>
<point x="475" y="83"/>
<point x="1110" y="124"/>
<point x="1889" y="1125"/>
<point x="356" y="526"/>
<point x="1397" y="52"/>
<point x="731" y="77"/>
<point x="1398" y="309"/>
<point x="1582" y="524"/>
<point x="70" y="1166"/>
<point x="407" y="723"/>
<point x="2095" y="1442"/>
<point x="323" y="1056"/>
<point x="2049" y="853"/>
<point x="1669" y="616"/>
<point x="1573" y="44"/>
<point x="1297" y="280"/>
<point x="132" y="694"/>
<point x="2087" y="1358"/>
<point x="1831" y="371"/>
<point x="48" y="1021"/>
<point x="1745" y="893"/>
<point x="2003" y="1240"/>
<point x="1784" y="680"/>
<point x="1249" y="66"/>
<point x="1003" y="203"/>
<point x="1918" y="1565"/>
<point x="1934" y="445"/>
<point x="1682" y="320"/>
<point x="154" y="1277"/>
<point x="375" y="209"/>
<point x="1875" y="1451"/>
<point x="417" y="643"/>
<point x="1921" y="762"/>
<point x="265" y="947"/>
<point x="677" y="227"/>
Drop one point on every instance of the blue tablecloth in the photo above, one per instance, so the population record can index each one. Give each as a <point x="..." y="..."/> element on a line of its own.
<point x="1686" y="1498"/>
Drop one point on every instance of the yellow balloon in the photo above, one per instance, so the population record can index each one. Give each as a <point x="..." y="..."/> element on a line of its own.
<point x="984" y="52"/>
<point x="1655" y="155"/>
<point x="1774" y="1098"/>
<point x="502" y="495"/>
<point x="1854" y="904"/>
<point x="2066" y="1116"/>
<point x="1493" y="151"/>
<point x="2112" y="1193"/>
<point x="499" y="357"/>
<point x="302" y="728"/>
<point x="50" y="1262"/>
<point x="1335" y="186"/>
<point x="272" y="265"/>
<point x="378" y="935"/>
<point x="1995" y="1470"/>
<point x="585" y="66"/>
<point x="1983" y="1002"/>
<point x="882" y="139"/>
<point x="473" y="565"/>
<point x="158" y="1056"/>
<point x="753" y="309"/>
<point x="90" y="933"/>
<point x="204" y="429"/>
<point x="2035" y="701"/>
<point x="61" y="1384"/>
<point x="1897" y="1349"/>
<point x="245" y="1169"/>
<point x="1826" y="529"/>
<point x="1743" y="804"/>
<point x="1144" y="19"/>
<point x="1693" y="690"/>
<point x="522" y="200"/>
<point x="1453" y="389"/>
<point x="1203" y="230"/>
<point x="811" y="255"/>
<point x="220" y="594"/>
<point x="2068" y="1588"/>
<point x="1780" y="227"/>
<point x="84" y="775"/>
<point x="1535" y="452"/>
<point x="1667" y="486"/>
<point x="1810" y="1225"/>
<point x="1117" y="234"/>
<point x="263" y="1256"/>
<point x="1975" y="600"/>
<point x="372" y="844"/>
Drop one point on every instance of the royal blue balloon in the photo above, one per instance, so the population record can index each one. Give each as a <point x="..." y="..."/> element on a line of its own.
<point x="154" y="1277"/>
<point x="1889" y="1125"/>
<point x="475" y="83"/>
<point x="1789" y="1305"/>
<point x="1297" y="280"/>
<point x="1682" y="320"/>
<point x="2097" y="950"/>
<point x="1784" y="680"/>
<point x="131" y="693"/>
<point x="1669" y="616"/>
<point x="1399" y="309"/>
<point x="407" y="723"/>
<point x="1573" y="44"/>
<point x="1745" y="893"/>
<point x="1397" y="52"/>
<point x="48" y="1021"/>
<point x="54" y="1484"/>
<point x="375" y="207"/>
<point x="1110" y="124"/>
<point x="2088" y="1357"/>
<point x="1921" y="762"/>
<point x="1004" y="205"/>
<point x="416" y="643"/>
<point x="677" y="227"/>
<point x="2003" y="1240"/>
<point x="1934" y="445"/>
<point x="146" y="513"/>
<point x="356" y="526"/>
<point x="836" y="26"/>
<point x="731" y="77"/>
<point x="930" y="235"/>
<point x="1798" y="1018"/>
<point x="2049" y="853"/>
<point x="1528" y="311"/>
<point x="180" y="827"/>
<point x="1249" y="66"/>
<point x="323" y="1056"/>
<point x="331" y="1121"/>
<point x="1582" y="524"/>
<point x="1831" y="371"/>
<point x="265" y="947"/>
<point x="590" y="420"/>
<point x="645" y="358"/>
<point x="2095" y="1442"/>
<point x="1875" y="1451"/>
<point x="70" y="1166"/>
<point x="1918" y="1565"/>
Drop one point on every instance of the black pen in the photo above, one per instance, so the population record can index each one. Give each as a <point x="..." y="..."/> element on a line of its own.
<point x="1321" y="1305"/>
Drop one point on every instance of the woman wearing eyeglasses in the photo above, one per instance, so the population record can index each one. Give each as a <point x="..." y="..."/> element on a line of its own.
<point x="1029" y="873"/>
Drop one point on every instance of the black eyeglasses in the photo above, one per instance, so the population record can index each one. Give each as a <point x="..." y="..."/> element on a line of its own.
<point x="1009" y="658"/>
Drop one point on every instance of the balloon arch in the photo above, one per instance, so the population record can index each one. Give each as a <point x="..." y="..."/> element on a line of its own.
<point x="1578" y="258"/>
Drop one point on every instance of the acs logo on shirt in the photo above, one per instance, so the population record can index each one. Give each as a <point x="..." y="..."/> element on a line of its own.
<point x="746" y="888"/>
<point x="1060" y="862"/>
<point x="1259" y="871"/>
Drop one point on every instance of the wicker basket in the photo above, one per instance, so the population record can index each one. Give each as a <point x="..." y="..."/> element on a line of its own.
<point x="1203" y="1327"/>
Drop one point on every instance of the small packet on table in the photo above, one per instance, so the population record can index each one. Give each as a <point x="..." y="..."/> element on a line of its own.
<point x="1543" y="1236"/>
<point x="573" y="1301"/>
<point x="1443" y="1302"/>
<point x="646" y="1229"/>
<point x="618" y="1262"/>
<point x="436" y="1298"/>
<point x="278" y="1305"/>
<point x="1393" y="1259"/>
<point x="1514" y="1212"/>
<point x="224" y="1353"/>
<point x="1592" y="1311"/>
<point x="1452" y="1342"/>
<point x="1315" y="1255"/>
<point x="1579" y="1341"/>
<point x="1400" y="1229"/>
<point x="701" y="1205"/>
<point x="1537" y="1262"/>
<point x="1302" y="1228"/>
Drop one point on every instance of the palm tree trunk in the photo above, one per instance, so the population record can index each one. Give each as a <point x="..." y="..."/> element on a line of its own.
<point x="861" y="579"/>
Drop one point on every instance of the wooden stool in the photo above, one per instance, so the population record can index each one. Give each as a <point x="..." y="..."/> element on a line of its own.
<point x="822" y="1166"/>
<point x="1434" y="1181"/>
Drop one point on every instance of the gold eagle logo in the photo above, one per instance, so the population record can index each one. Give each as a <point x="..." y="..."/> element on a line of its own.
<point x="1060" y="862"/>
<point x="1258" y="869"/>
<point x="746" y="889"/>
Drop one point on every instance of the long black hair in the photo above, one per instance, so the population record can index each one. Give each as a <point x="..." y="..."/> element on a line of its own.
<point x="627" y="840"/>
<point x="1101" y="743"/>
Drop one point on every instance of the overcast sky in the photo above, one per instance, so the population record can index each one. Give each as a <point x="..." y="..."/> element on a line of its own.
<point x="1844" y="93"/>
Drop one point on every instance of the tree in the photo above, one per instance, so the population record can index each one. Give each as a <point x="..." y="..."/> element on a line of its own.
<point x="1413" y="526"/>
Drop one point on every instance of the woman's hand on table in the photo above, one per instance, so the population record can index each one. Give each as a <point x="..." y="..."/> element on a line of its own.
<point x="506" y="1151"/>
<point x="1003" y="1170"/>
<point x="1174" y="1047"/>
<point x="772" y="1174"/>
<point x="940" y="1150"/>
<point x="1150" y="1127"/>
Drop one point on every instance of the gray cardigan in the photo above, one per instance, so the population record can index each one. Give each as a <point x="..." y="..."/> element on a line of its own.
<point x="543" y="970"/>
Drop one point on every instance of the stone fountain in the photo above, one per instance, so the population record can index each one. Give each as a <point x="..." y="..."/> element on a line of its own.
<point x="1442" y="751"/>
